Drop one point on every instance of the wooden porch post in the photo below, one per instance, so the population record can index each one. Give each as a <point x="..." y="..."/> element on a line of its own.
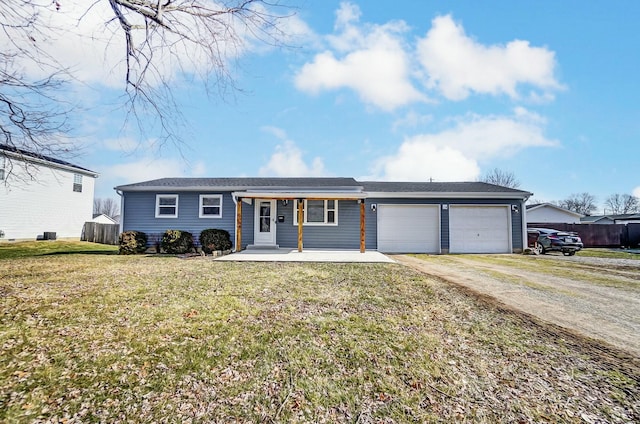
<point x="362" y="226"/>
<point x="300" y="219"/>
<point x="239" y="226"/>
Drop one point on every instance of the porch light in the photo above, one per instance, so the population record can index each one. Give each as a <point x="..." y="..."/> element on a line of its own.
<point x="285" y="202"/>
<point x="374" y="206"/>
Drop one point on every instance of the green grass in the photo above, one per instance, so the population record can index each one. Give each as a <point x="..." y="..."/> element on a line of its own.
<point x="545" y="265"/>
<point x="608" y="253"/>
<point x="23" y="249"/>
<point x="114" y="338"/>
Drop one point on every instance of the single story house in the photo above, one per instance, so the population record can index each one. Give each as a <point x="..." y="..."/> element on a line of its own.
<point x="42" y="197"/>
<point x="333" y="213"/>
<point x="549" y="213"/>
<point x="101" y="218"/>
<point x="627" y="218"/>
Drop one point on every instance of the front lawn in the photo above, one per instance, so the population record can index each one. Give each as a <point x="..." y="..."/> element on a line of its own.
<point x="24" y="249"/>
<point x="111" y="338"/>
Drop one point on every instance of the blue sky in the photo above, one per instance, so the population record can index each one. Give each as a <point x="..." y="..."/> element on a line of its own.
<point x="407" y="90"/>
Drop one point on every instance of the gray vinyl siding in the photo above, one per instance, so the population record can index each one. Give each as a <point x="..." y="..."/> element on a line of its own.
<point x="140" y="210"/>
<point x="139" y="214"/>
<point x="345" y="235"/>
<point x="371" y="217"/>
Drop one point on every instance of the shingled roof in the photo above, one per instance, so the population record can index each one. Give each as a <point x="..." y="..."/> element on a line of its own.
<point x="374" y="188"/>
<point x="28" y="155"/>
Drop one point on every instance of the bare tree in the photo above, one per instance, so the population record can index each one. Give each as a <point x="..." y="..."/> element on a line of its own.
<point x="107" y="206"/>
<point x="583" y="203"/>
<point x="152" y="33"/>
<point x="501" y="178"/>
<point x="622" y="203"/>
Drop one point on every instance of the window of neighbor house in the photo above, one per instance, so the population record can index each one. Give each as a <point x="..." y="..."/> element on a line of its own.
<point x="210" y="206"/>
<point x="166" y="206"/>
<point x="318" y="212"/>
<point x="2" y="165"/>
<point x="77" y="183"/>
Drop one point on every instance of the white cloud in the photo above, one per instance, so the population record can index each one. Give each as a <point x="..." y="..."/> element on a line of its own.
<point x="287" y="160"/>
<point x="149" y="168"/>
<point x="123" y="144"/>
<point x="372" y="61"/>
<point x="636" y="192"/>
<point x="411" y="120"/>
<point x="86" y="38"/>
<point x="457" y="65"/>
<point x="454" y="154"/>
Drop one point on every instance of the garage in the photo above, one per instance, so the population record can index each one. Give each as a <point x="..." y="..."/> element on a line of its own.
<point x="479" y="229"/>
<point x="408" y="228"/>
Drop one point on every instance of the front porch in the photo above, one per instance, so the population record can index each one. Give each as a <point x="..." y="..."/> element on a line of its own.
<point x="308" y="255"/>
<point x="310" y="217"/>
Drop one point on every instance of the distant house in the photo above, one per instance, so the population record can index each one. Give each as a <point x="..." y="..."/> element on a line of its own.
<point x="547" y="212"/>
<point x="42" y="197"/>
<point x="628" y="218"/>
<point x="333" y="213"/>
<point x="103" y="219"/>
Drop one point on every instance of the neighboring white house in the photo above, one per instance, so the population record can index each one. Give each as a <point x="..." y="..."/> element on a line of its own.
<point x="546" y="212"/>
<point x="627" y="218"/>
<point x="41" y="194"/>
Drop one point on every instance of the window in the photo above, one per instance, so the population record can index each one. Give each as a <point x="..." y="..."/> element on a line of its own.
<point x="318" y="212"/>
<point x="210" y="206"/>
<point x="166" y="206"/>
<point x="77" y="183"/>
<point x="2" y="165"/>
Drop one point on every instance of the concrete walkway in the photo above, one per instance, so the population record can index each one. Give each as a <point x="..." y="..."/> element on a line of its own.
<point x="308" y="255"/>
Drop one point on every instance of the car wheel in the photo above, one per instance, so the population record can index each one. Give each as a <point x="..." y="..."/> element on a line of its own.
<point x="538" y="249"/>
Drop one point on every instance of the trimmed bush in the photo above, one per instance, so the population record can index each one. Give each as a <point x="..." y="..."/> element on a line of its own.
<point x="132" y="242"/>
<point x="213" y="239"/>
<point x="176" y="241"/>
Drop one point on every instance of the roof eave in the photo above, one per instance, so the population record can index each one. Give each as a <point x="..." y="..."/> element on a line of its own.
<point x="27" y="158"/>
<point x="450" y="195"/>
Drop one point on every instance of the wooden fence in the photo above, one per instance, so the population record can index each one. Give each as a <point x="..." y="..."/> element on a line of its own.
<point x="599" y="235"/>
<point x="100" y="233"/>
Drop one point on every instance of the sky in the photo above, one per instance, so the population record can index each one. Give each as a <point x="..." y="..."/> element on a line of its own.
<point x="401" y="91"/>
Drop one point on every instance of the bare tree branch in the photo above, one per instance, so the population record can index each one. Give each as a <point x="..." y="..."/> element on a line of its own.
<point x="622" y="204"/>
<point x="163" y="41"/>
<point x="501" y="178"/>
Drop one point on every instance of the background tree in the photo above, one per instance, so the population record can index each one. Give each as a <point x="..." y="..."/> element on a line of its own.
<point x="583" y="203"/>
<point x="501" y="178"/>
<point x="194" y="39"/>
<point x="107" y="206"/>
<point x="622" y="203"/>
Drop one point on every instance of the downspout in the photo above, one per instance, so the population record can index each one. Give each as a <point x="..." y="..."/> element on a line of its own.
<point x="235" y="225"/>
<point x="523" y="211"/>
<point x="121" y="223"/>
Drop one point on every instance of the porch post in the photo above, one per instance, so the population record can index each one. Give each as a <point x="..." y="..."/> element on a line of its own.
<point x="300" y="219"/>
<point x="362" y="226"/>
<point x="239" y="226"/>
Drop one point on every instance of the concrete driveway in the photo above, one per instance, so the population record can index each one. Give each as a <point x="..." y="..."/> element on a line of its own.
<point x="596" y="297"/>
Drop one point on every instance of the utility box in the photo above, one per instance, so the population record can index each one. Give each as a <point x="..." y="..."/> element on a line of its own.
<point x="49" y="235"/>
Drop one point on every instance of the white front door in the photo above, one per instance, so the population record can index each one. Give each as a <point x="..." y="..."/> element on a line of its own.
<point x="264" y="222"/>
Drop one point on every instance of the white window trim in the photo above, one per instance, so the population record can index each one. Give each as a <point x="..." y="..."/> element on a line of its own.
<point x="201" y="214"/>
<point x="77" y="182"/>
<point x="304" y="222"/>
<point x="158" y="197"/>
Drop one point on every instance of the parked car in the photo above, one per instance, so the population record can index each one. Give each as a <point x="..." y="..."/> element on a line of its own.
<point x="548" y="239"/>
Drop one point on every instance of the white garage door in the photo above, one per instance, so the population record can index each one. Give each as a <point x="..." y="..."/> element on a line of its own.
<point x="409" y="228"/>
<point x="479" y="229"/>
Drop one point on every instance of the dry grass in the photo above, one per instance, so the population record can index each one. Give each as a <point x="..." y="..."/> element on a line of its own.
<point x="89" y="338"/>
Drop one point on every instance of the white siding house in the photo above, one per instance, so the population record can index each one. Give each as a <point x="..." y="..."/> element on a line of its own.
<point x="40" y="194"/>
<point x="546" y="212"/>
